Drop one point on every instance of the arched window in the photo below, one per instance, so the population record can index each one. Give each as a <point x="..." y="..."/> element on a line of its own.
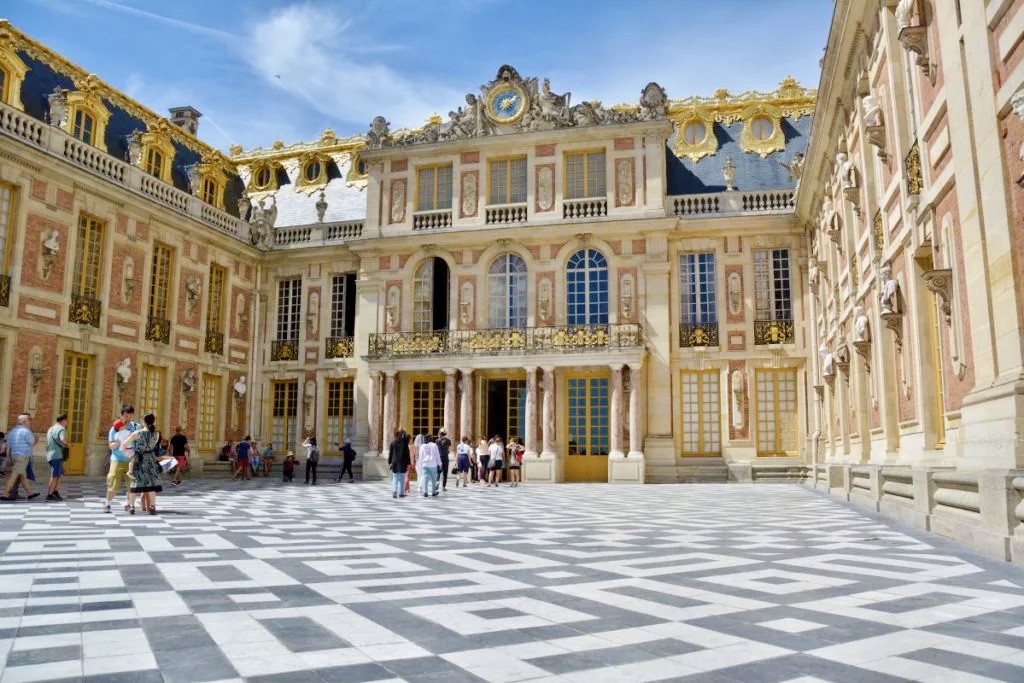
<point x="506" y="286"/>
<point x="430" y="296"/>
<point x="586" y="288"/>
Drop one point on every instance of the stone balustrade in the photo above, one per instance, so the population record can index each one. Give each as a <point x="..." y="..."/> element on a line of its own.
<point x="716" y="204"/>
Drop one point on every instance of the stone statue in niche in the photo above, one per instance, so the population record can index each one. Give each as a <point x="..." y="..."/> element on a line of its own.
<point x="240" y="388"/>
<point x="313" y="314"/>
<point x="193" y="292"/>
<point x="123" y="372"/>
<point x="308" y="400"/>
<point x="391" y="309"/>
<point x="545" y="188"/>
<point x="50" y="249"/>
<point x="812" y="271"/>
<point x="861" y="325"/>
<point x="466" y="303"/>
<point x="889" y="297"/>
<point x="653" y="102"/>
<point x="904" y="13"/>
<point x="828" y="363"/>
<point x="544" y="300"/>
<point x="872" y="110"/>
<point x="626" y="297"/>
<point x="847" y="171"/>
<point x="735" y="293"/>
<point x="397" y="201"/>
<point x="188" y="381"/>
<point x="243" y="207"/>
<point x="625" y="182"/>
<point x="241" y="315"/>
<point x="737" y="399"/>
<point x="469" y="194"/>
<point x="127" y="280"/>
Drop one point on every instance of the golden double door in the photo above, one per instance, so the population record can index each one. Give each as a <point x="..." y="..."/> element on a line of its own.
<point x="74" y="400"/>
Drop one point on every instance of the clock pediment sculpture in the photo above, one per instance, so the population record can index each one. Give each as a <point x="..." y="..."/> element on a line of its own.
<point x="513" y="104"/>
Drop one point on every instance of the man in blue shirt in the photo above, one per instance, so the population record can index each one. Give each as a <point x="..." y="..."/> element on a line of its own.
<point x="117" y="475"/>
<point x="20" y="442"/>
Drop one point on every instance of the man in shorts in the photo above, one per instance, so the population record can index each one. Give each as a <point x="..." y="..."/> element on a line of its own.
<point x="56" y="442"/>
<point x="117" y="475"/>
<point x="179" y="450"/>
<point x="20" y="441"/>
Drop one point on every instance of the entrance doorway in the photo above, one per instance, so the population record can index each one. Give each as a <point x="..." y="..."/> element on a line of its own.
<point x="74" y="400"/>
<point x="430" y="296"/>
<point x="504" y="408"/>
<point x="588" y="430"/>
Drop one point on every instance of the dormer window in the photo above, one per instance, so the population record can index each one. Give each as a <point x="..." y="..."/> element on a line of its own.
<point x="695" y="132"/>
<point x="209" y="178"/>
<point x="12" y="73"/>
<point x="209" y="191"/>
<point x="313" y="167"/>
<point x="312" y="171"/>
<point x="85" y="127"/>
<point x="154" y="164"/>
<point x="86" y="116"/>
<point x="263" y="178"/>
<point x="761" y="128"/>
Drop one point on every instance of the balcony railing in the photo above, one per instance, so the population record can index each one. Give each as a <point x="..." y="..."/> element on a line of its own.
<point x="507" y="214"/>
<point x="698" y="334"/>
<point x="759" y="202"/>
<point x="158" y="330"/>
<point x="515" y="340"/>
<point x="85" y="310"/>
<point x="5" y="290"/>
<point x="284" y="350"/>
<point x="432" y="220"/>
<point x="53" y="140"/>
<point x="339" y="347"/>
<point x="214" y="343"/>
<point x="585" y="208"/>
<point x="767" y="332"/>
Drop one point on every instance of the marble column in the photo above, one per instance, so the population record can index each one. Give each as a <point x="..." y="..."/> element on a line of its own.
<point x="636" y="434"/>
<point x="549" y="411"/>
<point x="390" y="402"/>
<point x="373" y="408"/>
<point x="616" y="410"/>
<point x="449" y="400"/>
<point x="466" y="412"/>
<point x="531" y="411"/>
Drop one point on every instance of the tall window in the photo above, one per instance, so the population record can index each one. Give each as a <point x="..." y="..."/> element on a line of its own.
<point x="154" y="165"/>
<point x="588" y="403"/>
<point x="6" y="226"/>
<point x="423" y="297"/>
<point x="90" y="255"/>
<point x="152" y="391"/>
<point x="427" y="406"/>
<point x="343" y="305"/>
<point x="771" y="285"/>
<point x="209" y="405"/>
<point x="160" y="282"/>
<point x="702" y="410"/>
<point x="340" y="411"/>
<point x="285" y="409"/>
<point x="697" y="288"/>
<point x="434" y="188"/>
<point x="507" y="181"/>
<point x="506" y="286"/>
<point x="3" y="85"/>
<point x="209" y="191"/>
<point x="215" y="305"/>
<point x="84" y="127"/>
<point x="289" y="303"/>
<point x="586" y="280"/>
<point x="585" y="175"/>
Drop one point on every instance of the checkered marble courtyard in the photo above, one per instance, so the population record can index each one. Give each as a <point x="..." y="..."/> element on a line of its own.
<point x="259" y="581"/>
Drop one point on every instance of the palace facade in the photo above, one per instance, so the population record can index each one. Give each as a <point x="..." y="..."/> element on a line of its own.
<point x="660" y="291"/>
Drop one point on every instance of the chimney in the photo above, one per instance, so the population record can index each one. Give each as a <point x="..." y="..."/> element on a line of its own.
<point x="186" y="117"/>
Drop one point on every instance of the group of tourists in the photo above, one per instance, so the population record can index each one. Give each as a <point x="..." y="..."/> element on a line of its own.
<point x="248" y="459"/>
<point x="427" y="458"/>
<point x="16" y="458"/>
<point x="136" y="452"/>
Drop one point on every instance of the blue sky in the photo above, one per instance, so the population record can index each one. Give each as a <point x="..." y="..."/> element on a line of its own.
<point x="264" y="70"/>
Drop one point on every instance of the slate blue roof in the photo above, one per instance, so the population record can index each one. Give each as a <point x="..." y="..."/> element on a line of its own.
<point x="684" y="176"/>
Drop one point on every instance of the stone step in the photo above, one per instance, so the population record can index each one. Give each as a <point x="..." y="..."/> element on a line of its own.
<point x="703" y="470"/>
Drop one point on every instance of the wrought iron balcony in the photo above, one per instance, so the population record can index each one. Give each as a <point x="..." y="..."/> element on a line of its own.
<point x="158" y="330"/>
<point x="214" y="342"/>
<point x="5" y="290"/>
<point x="85" y="310"/>
<point x="284" y="349"/>
<point x="768" y="332"/>
<point x="698" y="334"/>
<point x="339" y="347"/>
<point x="515" y="340"/>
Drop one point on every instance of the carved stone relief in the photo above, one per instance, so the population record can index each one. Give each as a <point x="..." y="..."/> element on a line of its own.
<point x="397" y="201"/>
<point x="466" y="303"/>
<point x="624" y="186"/>
<point x="392" y="310"/>
<point x="545" y="188"/>
<point x="470" y="195"/>
<point x="627" y="297"/>
<point x="48" y="253"/>
<point x="313" y="314"/>
<point x="735" y="293"/>
<point x="193" y="293"/>
<point x="544" y="301"/>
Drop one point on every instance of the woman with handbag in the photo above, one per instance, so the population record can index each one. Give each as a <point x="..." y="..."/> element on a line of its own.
<point x="57" y="452"/>
<point x="146" y="469"/>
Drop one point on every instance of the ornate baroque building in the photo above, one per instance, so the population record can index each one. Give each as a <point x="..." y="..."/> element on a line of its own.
<point x="659" y="291"/>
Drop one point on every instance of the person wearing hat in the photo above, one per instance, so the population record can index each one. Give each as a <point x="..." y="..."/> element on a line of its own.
<point x="444" y="447"/>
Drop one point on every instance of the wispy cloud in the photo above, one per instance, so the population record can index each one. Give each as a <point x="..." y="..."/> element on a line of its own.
<point x="186" y="25"/>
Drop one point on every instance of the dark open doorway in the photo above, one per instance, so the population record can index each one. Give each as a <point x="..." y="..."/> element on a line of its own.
<point x="439" y="308"/>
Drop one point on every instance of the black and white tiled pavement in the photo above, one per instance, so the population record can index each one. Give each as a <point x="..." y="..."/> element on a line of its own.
<point x="259" y="581"/>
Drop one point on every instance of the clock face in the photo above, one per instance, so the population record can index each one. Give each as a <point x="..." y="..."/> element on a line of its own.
<point x="505" y="104"/>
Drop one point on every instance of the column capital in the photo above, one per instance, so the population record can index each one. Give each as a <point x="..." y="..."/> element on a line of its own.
<point x="448" y="371"/>
<point x="616" y="367"/>
<point x="547" y="368"/>
<point x="466" y="371"/>
<point x="390" y="374"/>
<point x="636" y="366"/>
<point x="530" y="368"/>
